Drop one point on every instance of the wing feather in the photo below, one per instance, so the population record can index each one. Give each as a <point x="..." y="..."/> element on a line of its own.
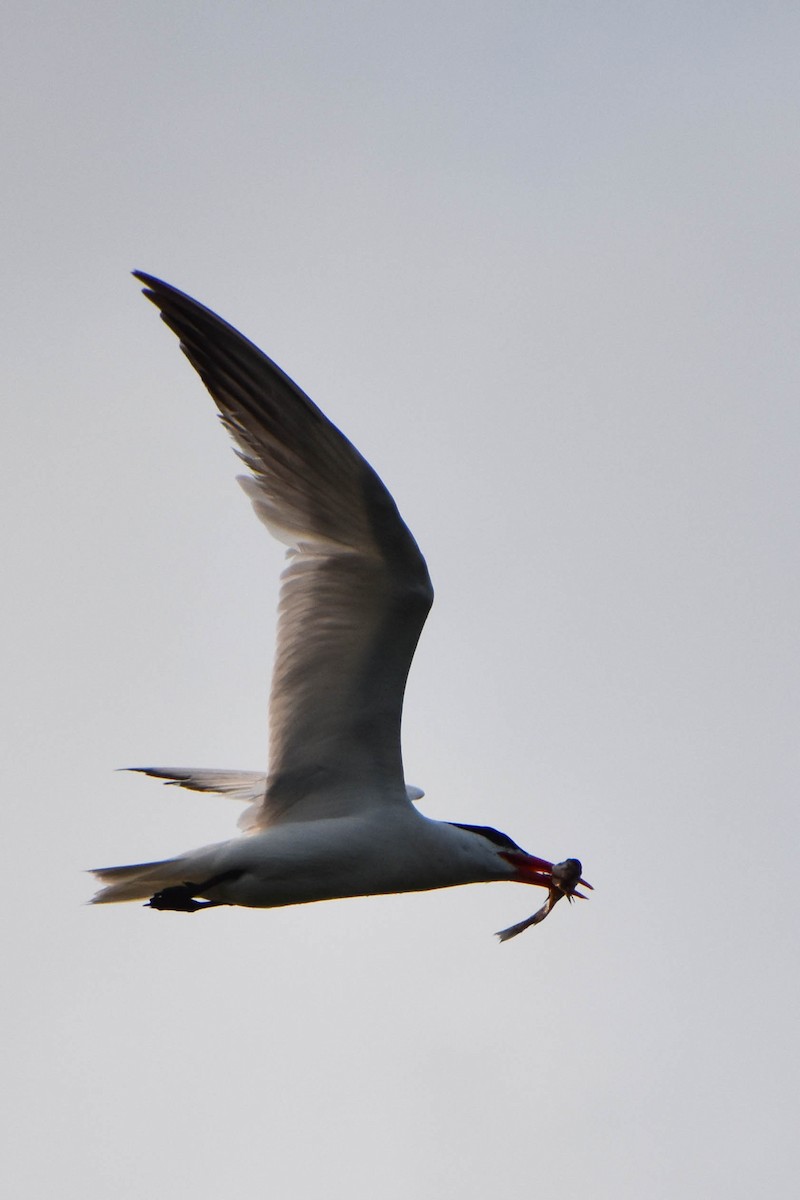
<point x="354" y="595"/>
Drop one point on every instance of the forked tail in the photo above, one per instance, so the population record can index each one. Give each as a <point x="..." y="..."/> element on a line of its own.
<point x="138" y="881"/>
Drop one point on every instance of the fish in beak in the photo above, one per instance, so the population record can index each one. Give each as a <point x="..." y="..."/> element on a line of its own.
<point x="560" y="879"/>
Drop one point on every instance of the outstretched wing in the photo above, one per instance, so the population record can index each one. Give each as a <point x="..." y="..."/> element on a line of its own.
<point x="356" y="591"/>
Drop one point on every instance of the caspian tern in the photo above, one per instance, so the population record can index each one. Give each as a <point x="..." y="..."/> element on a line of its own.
<point x="334" y="816"/>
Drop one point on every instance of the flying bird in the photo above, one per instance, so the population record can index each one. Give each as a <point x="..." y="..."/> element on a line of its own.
<point x="334" y="816"/>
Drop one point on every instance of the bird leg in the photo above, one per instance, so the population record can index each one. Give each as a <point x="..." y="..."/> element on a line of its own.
<point x="181" y="897"/>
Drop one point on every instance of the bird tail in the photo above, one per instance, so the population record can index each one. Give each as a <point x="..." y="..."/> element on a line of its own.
<point x="138" y="881"/>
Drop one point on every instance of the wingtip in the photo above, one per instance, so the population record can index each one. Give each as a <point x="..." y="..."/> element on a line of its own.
<point x="157" y="290"/>
<point x="162" y="773"/>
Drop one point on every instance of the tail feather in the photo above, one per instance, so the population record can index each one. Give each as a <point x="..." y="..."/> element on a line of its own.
<point x="138" y="881"/>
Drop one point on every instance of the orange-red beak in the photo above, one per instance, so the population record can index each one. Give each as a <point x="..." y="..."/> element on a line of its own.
<point x="565" y="876"/>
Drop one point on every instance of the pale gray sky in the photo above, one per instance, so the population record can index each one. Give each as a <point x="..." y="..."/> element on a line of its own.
<point x="540" y="262"/>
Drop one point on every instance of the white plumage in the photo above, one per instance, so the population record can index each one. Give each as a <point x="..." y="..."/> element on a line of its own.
<point x="334" y="816"/>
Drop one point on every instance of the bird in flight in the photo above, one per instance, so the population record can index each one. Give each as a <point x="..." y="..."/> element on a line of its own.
<point x="334" y="816"/>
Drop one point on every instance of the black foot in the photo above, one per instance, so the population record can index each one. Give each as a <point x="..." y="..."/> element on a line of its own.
<point x="181" y="897"/>
<point x="178" y="899"/>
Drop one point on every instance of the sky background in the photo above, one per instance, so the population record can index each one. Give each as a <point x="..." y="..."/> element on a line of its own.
<point x="540" y="262"/>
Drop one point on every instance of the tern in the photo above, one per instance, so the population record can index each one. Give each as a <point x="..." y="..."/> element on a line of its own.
<point x="333" y="817"/>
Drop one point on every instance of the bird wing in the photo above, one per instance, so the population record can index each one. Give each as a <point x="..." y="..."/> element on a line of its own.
<point x="239" y="785"/>
<point x="354" y="595"/>
<point x="248" y="786"/>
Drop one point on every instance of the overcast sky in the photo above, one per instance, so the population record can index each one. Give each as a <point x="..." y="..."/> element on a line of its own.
<point x="540" y="262"/>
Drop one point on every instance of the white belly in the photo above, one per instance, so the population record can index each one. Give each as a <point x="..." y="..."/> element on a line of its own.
<point x="371" y="854"/>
